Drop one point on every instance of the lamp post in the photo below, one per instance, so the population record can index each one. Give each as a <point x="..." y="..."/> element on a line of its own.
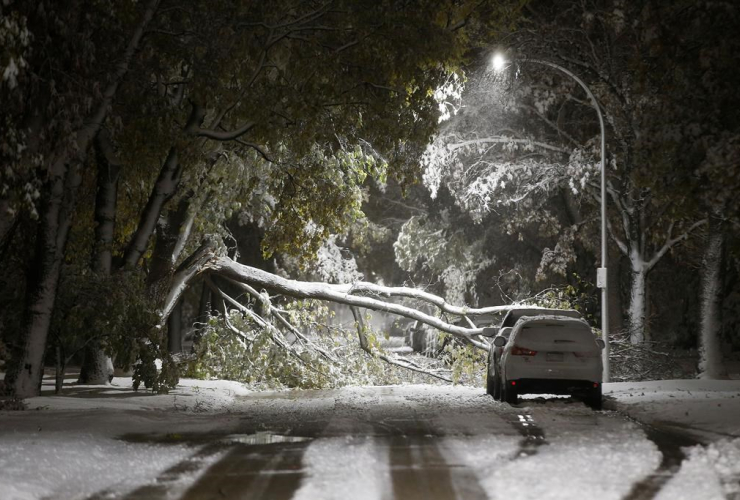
<point x="499" y="62"/>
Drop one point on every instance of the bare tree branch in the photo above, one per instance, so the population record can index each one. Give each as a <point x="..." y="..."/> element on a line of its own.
<point x="225" y="135"/>
<point x="671" y="242"/>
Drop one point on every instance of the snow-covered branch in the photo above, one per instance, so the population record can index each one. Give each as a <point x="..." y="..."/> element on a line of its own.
<point x="506" y="140"/>
<point x="392" y="360"/>
<point x="276" y="313"/>
<point x="345" y="294"/>
<point x="184" y="274"/>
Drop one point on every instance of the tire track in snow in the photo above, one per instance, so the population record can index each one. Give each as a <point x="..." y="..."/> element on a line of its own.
<point x="670" y="443"/>
<point x="419" y="468"/>
<point x="176" y="476"/>
<point x="532" y="435"/>
<point x="252" y="472"/>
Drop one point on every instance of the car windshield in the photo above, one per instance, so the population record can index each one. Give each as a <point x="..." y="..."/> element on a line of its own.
<point x="557" y="337"/>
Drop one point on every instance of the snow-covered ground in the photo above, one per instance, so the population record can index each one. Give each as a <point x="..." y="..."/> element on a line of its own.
<point x="70" y="446"/>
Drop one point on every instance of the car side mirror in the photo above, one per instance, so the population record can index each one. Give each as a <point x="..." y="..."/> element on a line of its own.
<point x="489" y="332"/>
<point x="600" y="343"/>
<point x="499" y="341"/>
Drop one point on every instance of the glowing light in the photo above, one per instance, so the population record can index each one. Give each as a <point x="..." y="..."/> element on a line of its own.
<point x="498" y="62"/>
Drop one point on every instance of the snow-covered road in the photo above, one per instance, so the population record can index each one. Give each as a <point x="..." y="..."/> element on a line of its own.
<point x="405" y="442"/>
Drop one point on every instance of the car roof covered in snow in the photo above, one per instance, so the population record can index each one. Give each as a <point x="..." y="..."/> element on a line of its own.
<point x="550" y="320"/>
<point x="516" y="314"/>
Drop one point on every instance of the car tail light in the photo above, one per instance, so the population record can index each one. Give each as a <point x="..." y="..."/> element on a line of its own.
<point x="520" y="351"/>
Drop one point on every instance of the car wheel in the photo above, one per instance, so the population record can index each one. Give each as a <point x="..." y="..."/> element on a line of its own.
<point x="510" y="394"/>
<point x="496" y="387"/>
<point x="594" y="399"/>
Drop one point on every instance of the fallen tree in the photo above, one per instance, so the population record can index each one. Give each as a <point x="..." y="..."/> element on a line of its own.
<point x="359" y="294"/>
<point x="210" y="264"/>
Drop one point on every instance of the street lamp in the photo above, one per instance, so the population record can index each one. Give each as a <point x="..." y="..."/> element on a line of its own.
<point x="499" y="63"/>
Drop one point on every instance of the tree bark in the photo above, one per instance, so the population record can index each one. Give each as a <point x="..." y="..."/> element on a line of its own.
<point x="638" y="295"/>
<point x="97" y="367"/>
<point x="8" y="238"/>
<point x="174" y="329"/>
<point x="184" y="274"/>
<point x="711" y="363"/>
<point x="164" y="188"/>
<point x="106" y="203"/>
<point x="26" y="368"/>
<point x="616" y="311"/>
<point x="169" y="229"/>
<point x="8" y="221"/>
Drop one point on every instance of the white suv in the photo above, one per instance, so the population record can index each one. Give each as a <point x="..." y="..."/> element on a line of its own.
<point x="551" y="355"/>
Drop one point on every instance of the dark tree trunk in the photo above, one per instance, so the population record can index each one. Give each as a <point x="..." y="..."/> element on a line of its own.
<point x="26" y="367"/>
<point x="614" y="291"/>
<point x="169" y="228"/>
<point x="174" y="329"/>
<point x="7" y="237"/>
<point x="60" y="368"/>
<point x="97" y="367"/>
<point x="711" y="359"/>
<point x="204" y="310"/>
<point x="106" y="203"/>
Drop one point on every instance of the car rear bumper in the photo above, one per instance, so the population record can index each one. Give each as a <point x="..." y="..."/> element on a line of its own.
<point x="553" y="386"/>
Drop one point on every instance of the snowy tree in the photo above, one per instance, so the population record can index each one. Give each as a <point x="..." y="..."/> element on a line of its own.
<point x="543" y="140"/>
<point x="287" y="104"/>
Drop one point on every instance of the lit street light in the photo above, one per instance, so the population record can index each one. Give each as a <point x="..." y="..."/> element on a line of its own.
<point x="499" y="62"/>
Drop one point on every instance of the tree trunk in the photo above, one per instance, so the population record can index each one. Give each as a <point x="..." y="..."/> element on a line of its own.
<point x="638" y="296"/>
<point x="97" y="367"/>
<point x="169" y="229"/>
<point x="7" y="238"/>
<point x="711" y="364"/>
<point x="164" y="188"/>
<point x="60" y="367"/>
<point x="8" y="222"/>
<point x="204" y="310"/>
<point x="26" y="368"/>
<point x="174" y="329"/>
<point x="614" y="290"/>
<point x="106" y="203"/>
